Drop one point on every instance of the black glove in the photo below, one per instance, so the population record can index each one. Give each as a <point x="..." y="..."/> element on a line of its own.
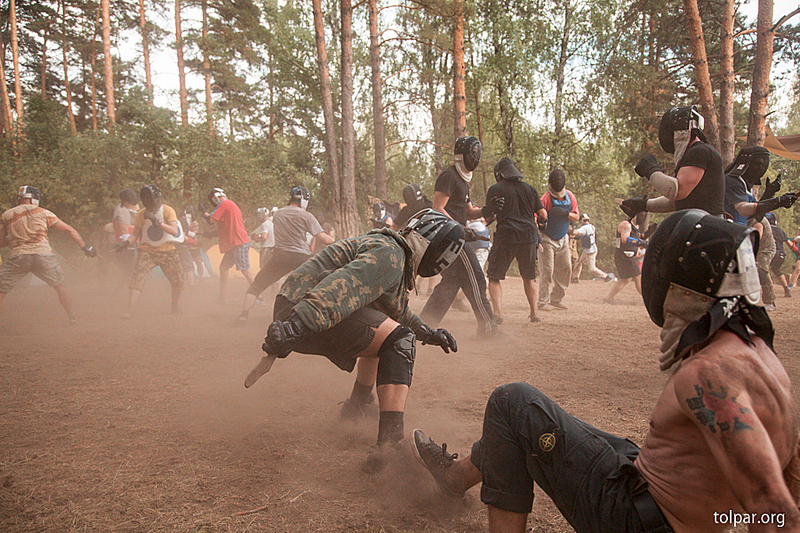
<point x="771" y="187"/>
<point x="152" y="217"/>
<point x="494" y="206"/>
<point x="650" y="230"/>
<point x="282" y="337"/>
<point x="558" y="212"/>
<point x="89" y="250"/>
<point x="787" y="200"/>
<point x="470" y="235"/>
<point x="121" y="246"/>
<point x="541" y="223"/>
<point x="634" y="206"/>
<point x="647" y="165"/>
<point x="437" y="337"/>
<point x="202" y="208"/>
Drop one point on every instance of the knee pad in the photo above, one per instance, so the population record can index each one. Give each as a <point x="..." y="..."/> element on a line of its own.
<point x="396" y="357"/>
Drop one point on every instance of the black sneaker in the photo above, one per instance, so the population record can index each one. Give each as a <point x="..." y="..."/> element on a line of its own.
<point x="353" y="409"/>
<point x="433" y="457"/>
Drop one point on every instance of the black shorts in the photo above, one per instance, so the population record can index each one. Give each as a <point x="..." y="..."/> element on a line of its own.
<point x="341" y="343"/>
<point x="627" y="267"/>
<point x="777" y="263"/>
<point x="501" y="255"/>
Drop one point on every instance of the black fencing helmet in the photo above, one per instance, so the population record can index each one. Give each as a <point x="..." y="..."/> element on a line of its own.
<point x="300" y="194"/>
<point x="31" y="193"/>
<point x="412" y="193"/>
<point x="215" y="196"/>
<point x="751" y="164"/>
<point x="773" y="219"/>
<point x="679" y="119"/>
<point x="151" y="197"/>
<point x="378" y="212"/>
<point x="505" y="169"/>
<point x="557" y="180"/>
<point x="704" y="253"/>
<point x="127" y="196"/>
<point x="470" y="150"/>
<point x="444" y="235"/>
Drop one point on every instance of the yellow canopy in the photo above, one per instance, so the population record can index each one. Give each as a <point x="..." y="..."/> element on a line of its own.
<point x="787" y="146"/>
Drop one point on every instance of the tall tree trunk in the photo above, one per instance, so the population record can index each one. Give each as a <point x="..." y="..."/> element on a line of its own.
<point x="727" y="133"/>
<point x="330" y="184"/>
<point x="43" y="82"/>
<point x="756" y="126"/>
<point x="480" y="138"/>
<point x="5" y="100"/>
<point x="351" y="225"/>
<point x="271" y="97"/>
<point x="12" y="10"/>
<point x="93" y="64"/>
<point x="459" y="71"/>
<point x="184" y="95"/>
<point x="506" y="117"/>
<point x="108" y="67"/>
<point x="429" y="83"/>
<point x="148" y="78"/>
<point x="67" y="85"/>
<point x="563" y="56"/>
<point x="700" y="60"/>
<point x="377" y="102"/>
<point x="207" y="73"/>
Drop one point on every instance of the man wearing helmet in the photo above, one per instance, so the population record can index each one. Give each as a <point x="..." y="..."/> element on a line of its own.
<point x="234" y="243"/>
<point x="722" y="438"/>
<point x="587" y="234"/>
<point x="350" y="301"/>
<point x="264" y="235"/>
<point x="698" y="181"/>
<point x="516" y="236"/>
<point x="415" y="201"/>
<point x="451" y="197"/>
<point x="292" y="224"/>
<point x="24" y="229"/>
<point x="740" y="204"/>
<point x="157" y="230"/>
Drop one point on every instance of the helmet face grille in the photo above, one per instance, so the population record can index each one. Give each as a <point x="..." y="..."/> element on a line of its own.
<point x="446" y="238"/>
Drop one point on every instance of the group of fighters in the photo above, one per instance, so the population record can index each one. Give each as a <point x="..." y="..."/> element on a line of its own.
<point x="723" y="436"/>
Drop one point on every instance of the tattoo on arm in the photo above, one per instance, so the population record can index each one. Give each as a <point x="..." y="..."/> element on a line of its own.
<point x="714" y="409"/>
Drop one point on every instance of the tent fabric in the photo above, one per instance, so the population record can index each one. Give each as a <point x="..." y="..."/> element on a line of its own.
<point x="787" y="146"/>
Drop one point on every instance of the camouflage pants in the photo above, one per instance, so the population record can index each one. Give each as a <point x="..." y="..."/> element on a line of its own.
<point x="147" y="260"/>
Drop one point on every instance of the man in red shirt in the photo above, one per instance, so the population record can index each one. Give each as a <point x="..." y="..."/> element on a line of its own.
<point x="234" y="243"/>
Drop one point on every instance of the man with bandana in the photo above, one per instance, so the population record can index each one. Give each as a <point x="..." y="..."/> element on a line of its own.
<point x="723" y="436"/>
<point x="740" y="204"/>
<point x="698" y="182"/>
<point x="349" y="303"/>
<point x="451" y="196"/>
<point x="556" y="264"/>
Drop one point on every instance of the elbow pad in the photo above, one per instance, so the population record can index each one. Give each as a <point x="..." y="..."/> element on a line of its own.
<point x="666" y="185"/>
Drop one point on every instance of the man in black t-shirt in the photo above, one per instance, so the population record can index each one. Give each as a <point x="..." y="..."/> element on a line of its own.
<point x="451" y="196"/>
<point x="415" y="201"/>
<point x="698" y="182"/>
<point x="516" y="236"/>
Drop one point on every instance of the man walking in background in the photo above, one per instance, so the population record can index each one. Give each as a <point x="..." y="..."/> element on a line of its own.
<point x="556" y="266"/>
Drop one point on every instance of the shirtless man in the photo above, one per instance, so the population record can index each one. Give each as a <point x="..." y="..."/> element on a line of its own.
<point x="723" y="441"/>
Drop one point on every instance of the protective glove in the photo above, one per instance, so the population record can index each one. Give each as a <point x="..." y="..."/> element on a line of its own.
<point x="494" y="206"/>
<point x="282" y="337"/>
<point x="470" y="235"/>
<point x="771" y="188"/>
<point x="787" y="200"/>
<point x="152" y="218"/>
<point x="203" y="208"/>
<point x="90" y="250"/>
<point x="121" y="246"/>
<point x="558" y="212"/>
<point x="634" y="206"/>
<point x="541" y="223"/>
<point x="437" y="337"/>
<point x="647" y="165"/>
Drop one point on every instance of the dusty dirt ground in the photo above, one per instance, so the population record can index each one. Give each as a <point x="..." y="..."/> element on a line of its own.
<point x="145" y="425"/>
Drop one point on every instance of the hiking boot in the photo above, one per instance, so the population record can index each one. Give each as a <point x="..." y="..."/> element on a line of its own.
<point x="433" y="457"/>
<point x="353" y="409"/>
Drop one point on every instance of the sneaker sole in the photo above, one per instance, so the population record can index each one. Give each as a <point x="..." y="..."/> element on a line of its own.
<point x="261" y="368"/>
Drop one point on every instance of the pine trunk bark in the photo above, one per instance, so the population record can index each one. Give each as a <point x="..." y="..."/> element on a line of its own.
<point x="558" y="126"/>
<point x="43" y="78"/>
<point x="700" y="60"/>
<point x="148" y="77"/>
<point x="377" y="102"/>
<point x="756" y="127"/>
<point x="183" y="94"/>
<point x="727" y="133"/>
<point x="93" y="64"/>
<point x="108" y="67"/>
<point x="5" y="100"/>
<point x="12" y="10"/>
<point x="351" y="224"/>
<point x="459" y="72"/>
<point x="67" y="86"/>
<point x="207" y="73"/>
<point x="330" y="184"/>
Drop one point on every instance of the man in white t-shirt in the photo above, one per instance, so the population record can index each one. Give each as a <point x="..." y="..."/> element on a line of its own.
<point x="586" y="235"/>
